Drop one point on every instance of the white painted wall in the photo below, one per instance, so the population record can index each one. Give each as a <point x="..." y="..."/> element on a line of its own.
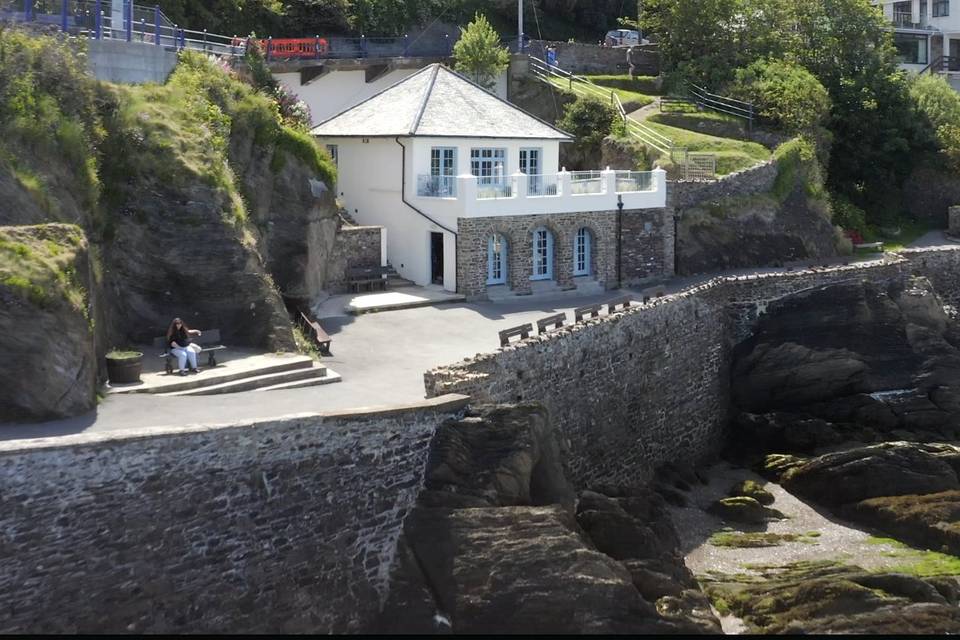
<point x="369" y="187"/>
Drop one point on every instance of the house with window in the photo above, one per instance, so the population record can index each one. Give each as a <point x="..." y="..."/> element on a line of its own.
<point x="470" y="193"/>
<point x="926" y="33"/>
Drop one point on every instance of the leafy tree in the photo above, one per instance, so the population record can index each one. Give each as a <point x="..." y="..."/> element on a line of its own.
<point x="478" y="53"/>
<point x="589" y="120"/>
<point x="305" y="18"/>
<point x="939" y="106"/>
<point x="785" y="93"/>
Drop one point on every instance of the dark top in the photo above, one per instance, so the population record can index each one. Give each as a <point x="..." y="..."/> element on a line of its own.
<point x="181" y="337"/>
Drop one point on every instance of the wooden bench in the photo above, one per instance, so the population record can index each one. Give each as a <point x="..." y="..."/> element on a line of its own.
<point x="869" y="245"/>
<point x="321" y="336"/>
<point x="523" y="331"/>
<point x="209" y="340"/>
<point x="623" y="302"/>
<point x="368" y="277"/>
<point x="592" y="311"/>
<point x="556" y="321"/>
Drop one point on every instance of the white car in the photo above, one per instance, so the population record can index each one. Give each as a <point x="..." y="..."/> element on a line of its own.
<point x="623" y="38"/>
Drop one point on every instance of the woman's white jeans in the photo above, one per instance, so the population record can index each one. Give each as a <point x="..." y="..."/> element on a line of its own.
<point x="190" y="353"/>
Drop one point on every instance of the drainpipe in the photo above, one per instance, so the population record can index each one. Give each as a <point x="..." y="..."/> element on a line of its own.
<point x="619" y="240"/>
<point x="403" y="197"/>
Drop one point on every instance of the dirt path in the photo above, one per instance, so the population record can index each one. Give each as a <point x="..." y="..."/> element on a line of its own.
<point x="833" y="539"/>
<point x="643" y="113"/>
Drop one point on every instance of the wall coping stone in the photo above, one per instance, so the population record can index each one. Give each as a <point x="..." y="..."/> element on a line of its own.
<point x="440" y="404"/>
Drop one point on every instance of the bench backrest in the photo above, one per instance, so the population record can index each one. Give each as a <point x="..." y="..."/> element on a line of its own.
<point x="592" y="310"/>
<point x="366" y="272"/>
<point x="556" y="321"/>
<point x="523" y="331"/>
<point x="210" y="336"/>
<point x="618" y="302"/>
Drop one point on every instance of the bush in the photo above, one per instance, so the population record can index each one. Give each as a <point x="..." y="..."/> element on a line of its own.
<point x="848" y="216"/>
<point x="785" y="93"/>
<point x="590" y="120"/>
<point x="939" y="107"/>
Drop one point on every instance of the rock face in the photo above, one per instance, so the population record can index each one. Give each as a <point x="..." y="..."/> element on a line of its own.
<point x="849" y="361"/>
<point x="495" y="545"/>
<point x="44" y="320"/>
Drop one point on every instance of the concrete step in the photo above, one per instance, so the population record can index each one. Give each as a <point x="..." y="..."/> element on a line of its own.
<point x="397" y="282"/>
<point x="331" y="377"/>
<point x="257" y="381"/>
<point x="224" y="373"/>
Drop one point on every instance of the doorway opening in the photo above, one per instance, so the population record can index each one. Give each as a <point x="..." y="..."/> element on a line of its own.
<point x="436" y="258"/>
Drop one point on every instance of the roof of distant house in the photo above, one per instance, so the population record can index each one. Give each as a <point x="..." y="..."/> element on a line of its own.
<point x="437" y="102"/>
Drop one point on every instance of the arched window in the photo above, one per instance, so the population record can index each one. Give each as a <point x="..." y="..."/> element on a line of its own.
<point x="581" y="252"/>
<point x="542" y="255"/>
<point x="497" y="259"/>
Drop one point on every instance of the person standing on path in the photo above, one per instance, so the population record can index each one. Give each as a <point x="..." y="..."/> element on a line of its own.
<point x="631" y="64"/>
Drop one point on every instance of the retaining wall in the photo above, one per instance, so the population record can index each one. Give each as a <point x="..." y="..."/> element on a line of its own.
<point x="130" y="62"/>
<point x="283" y="526"/>
<point x="640" y="388"/>
<point x="578" y="57"/>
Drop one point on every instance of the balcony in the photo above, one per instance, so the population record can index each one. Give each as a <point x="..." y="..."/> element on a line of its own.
<point x="564" y="192"/>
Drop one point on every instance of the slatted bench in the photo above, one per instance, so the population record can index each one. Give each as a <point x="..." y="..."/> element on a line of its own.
<point x="321" y="336"/>
<point x="523" y="332"/>
<point x="555" y="321"/>
<point x="209" y="340"/>
<point x="369" y="277"/>
<point x="623" y="302"/>
<point x="593" y="311"/>
<point x="869" y="245"/>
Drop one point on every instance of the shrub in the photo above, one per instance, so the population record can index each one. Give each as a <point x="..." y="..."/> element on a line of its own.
<point x="590" y="120"/>
<point x="849" y="216"/>
<point x="785" y="93"/>
<point x="939" y="107"/>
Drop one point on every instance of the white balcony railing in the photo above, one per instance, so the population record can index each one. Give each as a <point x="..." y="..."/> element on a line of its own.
<point x="563" y="192"/>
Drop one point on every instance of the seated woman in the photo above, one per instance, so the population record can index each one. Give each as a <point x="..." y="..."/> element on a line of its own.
<point x="178" y="339"/>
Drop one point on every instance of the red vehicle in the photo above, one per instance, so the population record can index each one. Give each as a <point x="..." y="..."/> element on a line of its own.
<point x="300" y="48"/>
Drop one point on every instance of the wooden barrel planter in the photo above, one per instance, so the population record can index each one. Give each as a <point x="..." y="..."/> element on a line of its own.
<point x="124" y="367"/>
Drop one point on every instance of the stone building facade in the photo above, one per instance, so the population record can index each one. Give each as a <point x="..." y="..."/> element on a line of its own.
<point x="643" y="245"/>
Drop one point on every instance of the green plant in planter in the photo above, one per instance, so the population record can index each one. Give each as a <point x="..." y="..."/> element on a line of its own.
<point x="117" y="354"/>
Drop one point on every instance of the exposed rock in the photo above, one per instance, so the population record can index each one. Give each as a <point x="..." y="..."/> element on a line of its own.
<point x="497" y="456"/>
<point x="888" y="469"/>
<point x="752" y="489"/>
<point x="929" y="521"/>
<point x="45" y="327"/>
<point x="848" y="361"/>
<point x="743" y="509"/>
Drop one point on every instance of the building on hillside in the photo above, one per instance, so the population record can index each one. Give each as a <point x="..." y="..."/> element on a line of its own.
<point x="470" y="193"/>
<point x="926" y="34"/>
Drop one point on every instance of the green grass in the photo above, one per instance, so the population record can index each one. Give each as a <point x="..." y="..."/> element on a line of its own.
<point x="910" y="231"/>
<point x="923" y="564"/>
<point x="646" y="85"/>
<point x="632" y="100"/>
<point x="37" y="265"/>
<point x="732" y="154"/>
<point x="754" y="540"/>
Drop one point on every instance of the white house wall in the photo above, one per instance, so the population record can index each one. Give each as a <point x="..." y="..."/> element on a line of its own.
<point x="369" y="187"/>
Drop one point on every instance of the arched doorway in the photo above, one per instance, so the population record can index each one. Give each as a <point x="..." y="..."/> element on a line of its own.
<point x="542" y="255"/>
<point x="582" y="248"/>
<point x="497" y="259"/>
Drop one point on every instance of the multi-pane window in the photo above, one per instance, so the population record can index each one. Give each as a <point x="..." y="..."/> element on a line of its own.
<point x="489" y="165"/>
<point x="581" y="253"/>
<point x="542" y="255"/>
<point x="941" y="8"/>
<point x="496" y="259"/>
<point x="443" y="171"/>
<point x="530" y="164"/>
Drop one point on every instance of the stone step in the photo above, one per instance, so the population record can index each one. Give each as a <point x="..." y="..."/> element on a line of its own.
<point x="331" y="377"/>
<point x="253" y="380"/>
<point x="226" y="372"/>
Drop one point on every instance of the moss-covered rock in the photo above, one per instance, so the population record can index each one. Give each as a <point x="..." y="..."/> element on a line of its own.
<point x="752" y="489"/>
<point x="744" y="509"/>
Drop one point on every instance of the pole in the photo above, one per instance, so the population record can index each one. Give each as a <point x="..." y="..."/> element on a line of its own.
<point x="520" y="26"/>
<point x="156" y="24"/>
<point x="27" y="10"/>
<point x="63" y="15"/>
<point x="99" y="19"/>
<point x="128" y="20"/>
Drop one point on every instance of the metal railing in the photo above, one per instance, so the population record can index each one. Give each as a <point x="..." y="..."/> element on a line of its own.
<point x="722" y="104"/>
<point x="583" y="182"/>
<point x="543" y="185"/>
<point x="437" y="186"/>
<point x="943" y="64"/>
<point x="634" y="181"/>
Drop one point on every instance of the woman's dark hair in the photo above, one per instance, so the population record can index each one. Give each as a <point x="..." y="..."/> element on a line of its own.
<point x="173" y="327"/>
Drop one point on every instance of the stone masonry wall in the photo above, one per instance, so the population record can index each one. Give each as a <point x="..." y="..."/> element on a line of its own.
<point x="474" y="235"/>
<point x="354" y="247"/>
<point x="285" y="526"/>
<point x="647" y="386"/>
<point x="590" y="58"/>
<point x="758" y="179"/>
<point x="954" y="222"/>
<point x="647" y="245"/>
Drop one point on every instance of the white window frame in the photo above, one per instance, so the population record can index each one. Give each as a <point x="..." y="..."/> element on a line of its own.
<point x="542" y="246"/>
<point x="582" y="252"/>
<point x="534" y="177"/>
<point x="497" y="260"/>
<point x="489" y="165"/>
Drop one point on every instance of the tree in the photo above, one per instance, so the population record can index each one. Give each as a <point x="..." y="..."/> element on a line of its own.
<point x="589" y="120"/>
<point x="939" y="106"/>
<point x="785" y="93"/>
<point x="478" y="53"/>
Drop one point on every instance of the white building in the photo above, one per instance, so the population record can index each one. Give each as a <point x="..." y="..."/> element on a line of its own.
<point x="470" y="193"/>
<point x="926" y="33"/>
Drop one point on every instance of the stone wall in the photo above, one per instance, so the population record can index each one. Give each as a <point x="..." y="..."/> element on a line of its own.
<point x="474" y="235"/>
<point x="640" y="388"/>
<point x="953" y="227"/>
<point x="647" y="245"/>
<point x="591" y="58"/>
<point x="283" y="526"/>
<point x="356" y="246"/>
<point x="758" y="179"/>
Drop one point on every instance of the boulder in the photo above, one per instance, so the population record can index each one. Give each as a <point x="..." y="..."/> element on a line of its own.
<point x="744" y="509"/>
<point x="930" y="521"/>
<point x="888" y="469"/>
<point x="752" y="489"/>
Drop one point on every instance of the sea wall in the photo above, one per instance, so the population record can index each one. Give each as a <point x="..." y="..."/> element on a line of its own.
<point x="283" y="526"/>
<point x="647" y="386"/>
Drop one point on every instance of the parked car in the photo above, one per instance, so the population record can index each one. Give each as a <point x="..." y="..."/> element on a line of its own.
<point x="622" y="38"/>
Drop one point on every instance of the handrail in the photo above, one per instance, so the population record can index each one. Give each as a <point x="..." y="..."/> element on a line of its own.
<point x="722" y="104"/>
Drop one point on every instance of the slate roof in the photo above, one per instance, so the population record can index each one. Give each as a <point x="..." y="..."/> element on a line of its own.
<point x="437" y="102"/>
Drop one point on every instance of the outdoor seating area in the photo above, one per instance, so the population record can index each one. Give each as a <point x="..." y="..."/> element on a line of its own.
<point x="558" y="320"/>
<point x="209" y="341"/>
